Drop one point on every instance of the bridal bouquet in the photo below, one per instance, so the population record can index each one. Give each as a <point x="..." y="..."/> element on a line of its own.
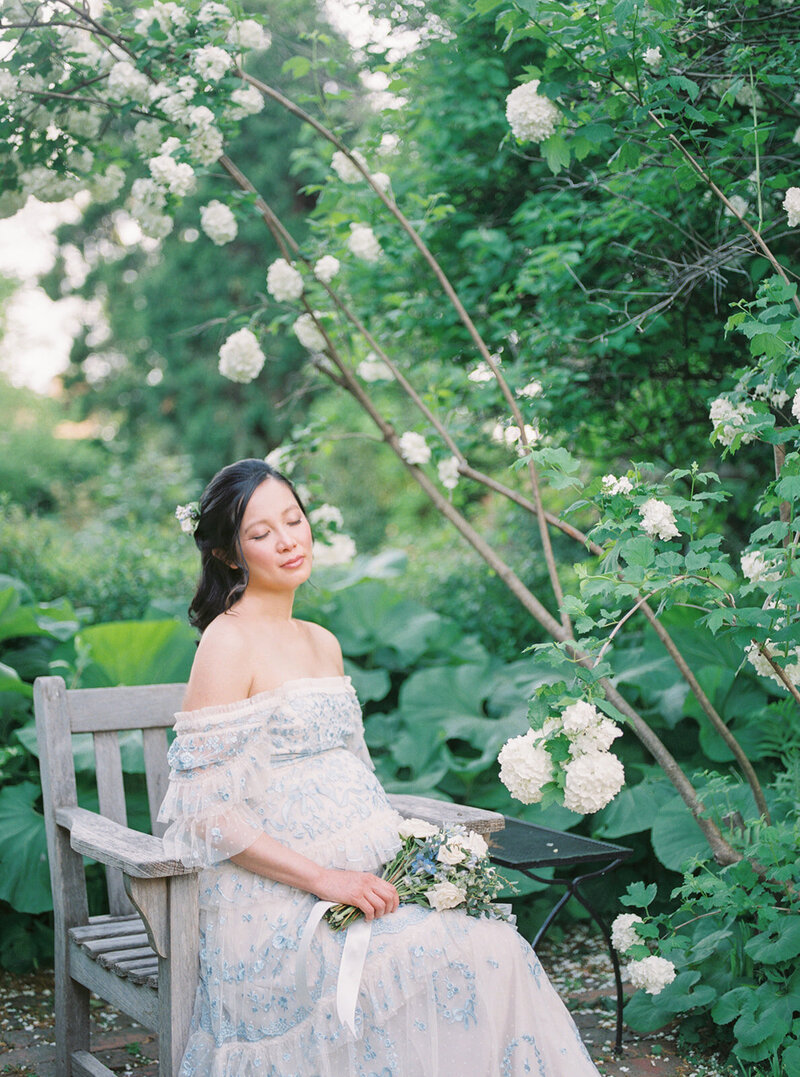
<point x="442" y="868"/>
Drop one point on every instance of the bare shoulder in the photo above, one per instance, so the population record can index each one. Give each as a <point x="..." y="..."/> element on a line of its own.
<point x="222" y="669"/>
<point x="325" y="644"/>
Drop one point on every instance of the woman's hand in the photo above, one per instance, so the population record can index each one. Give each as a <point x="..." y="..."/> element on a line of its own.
<point x="373" y="896"/>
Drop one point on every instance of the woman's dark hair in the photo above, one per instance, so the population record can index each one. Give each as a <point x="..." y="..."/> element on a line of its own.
<point x="223" y="575"/>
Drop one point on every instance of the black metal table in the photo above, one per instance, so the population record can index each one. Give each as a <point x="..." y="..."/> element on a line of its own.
<point x="525" y="847"/>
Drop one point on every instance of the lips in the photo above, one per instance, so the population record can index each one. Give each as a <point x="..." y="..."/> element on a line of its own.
<point x="295" y="562"/>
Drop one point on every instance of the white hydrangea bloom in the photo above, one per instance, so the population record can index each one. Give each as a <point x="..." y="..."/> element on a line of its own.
<point x="373" y="369"/>
<point x="177" y="177"/>
<point x="623" y="932"/>
<point x="240" y="357"/>
<point x="652" y="56"/>
<point x="212" y="11"/>
<point x="445" y="895"/>
<point x="326" y="268"/>
<point x="579" y="716"/>
<point x="448" y="472"/>
<point x="148" y="135"/>
<point x="363" y="243"/>
<point x="284" y="282"/>
<point x="652" y="974"/>
<point x="414" y="448"/>
<point x="728" y="420"/>
<point x="658" y="520"/>
<point x="246" y="101"/>
<point x="106" y="186"/>
<point x="249" y="34"/>
<point x="416" y="828"/>
<point x="757" y="569"/>
<point x="531" y="116"/>
<point x="83" y="124"/>
<point x="127" y="83"/>
<point x="612" y="485"/>
<point x="796" y="405"/>
<point x="325" y="516"/>
<point x="218" y="222"/>
<point x="211" y="62"/>
<point x="525" y="767"/>
<point x="337" y="550"/>
<point x="344" y="167"/>
<point x="593" y="779"/>
<point x="738" y="206"/>
<point x="205" y="145"/>
<point x="595" y="738"/>
<point x="176" y="107"/>
<point x="791" y="204"/>
<point x="308" y="332"/>
<point x="147" y="202"/>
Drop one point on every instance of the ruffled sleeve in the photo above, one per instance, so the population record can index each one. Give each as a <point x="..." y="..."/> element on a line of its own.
<point x="219" y="758"/>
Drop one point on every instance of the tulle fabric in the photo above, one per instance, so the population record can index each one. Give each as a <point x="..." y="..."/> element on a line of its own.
<point x="441" y="994"/>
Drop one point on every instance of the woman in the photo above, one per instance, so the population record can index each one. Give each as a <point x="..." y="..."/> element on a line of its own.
<point x="272" y="793"/>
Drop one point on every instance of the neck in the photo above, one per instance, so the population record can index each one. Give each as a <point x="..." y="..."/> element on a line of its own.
<point x="274" y="606"/>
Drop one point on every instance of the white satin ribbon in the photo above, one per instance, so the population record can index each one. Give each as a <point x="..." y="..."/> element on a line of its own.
<point x="354" y="955"/>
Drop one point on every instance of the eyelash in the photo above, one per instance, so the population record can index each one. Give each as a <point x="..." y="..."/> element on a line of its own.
<point x="292" y="523"/>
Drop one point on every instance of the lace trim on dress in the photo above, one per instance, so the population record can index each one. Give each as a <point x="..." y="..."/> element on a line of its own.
<point x="293" y="687"/>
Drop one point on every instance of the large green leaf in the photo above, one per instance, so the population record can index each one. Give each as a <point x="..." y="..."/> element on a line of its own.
<point x="676" y="836"/>
<point x="781" y="942"/>
<point x="24" y="874"/>
<point x="634" y="808"/>
<point x="137" y="652"/>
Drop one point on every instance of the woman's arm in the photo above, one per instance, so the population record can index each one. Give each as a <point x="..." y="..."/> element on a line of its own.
<point x="372" y="895"/>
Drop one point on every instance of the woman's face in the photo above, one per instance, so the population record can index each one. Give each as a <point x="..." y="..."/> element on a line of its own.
<point x="275" y="537"/>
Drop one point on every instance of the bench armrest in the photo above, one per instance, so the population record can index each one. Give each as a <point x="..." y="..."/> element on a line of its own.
<point x="137" y="854"/>
<point x="444" y="813"/>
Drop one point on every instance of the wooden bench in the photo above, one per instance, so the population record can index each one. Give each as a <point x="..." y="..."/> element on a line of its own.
<point x="142" y="956"/>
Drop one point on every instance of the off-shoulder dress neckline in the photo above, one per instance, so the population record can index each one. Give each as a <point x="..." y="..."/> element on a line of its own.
<point x="292" y="686"/>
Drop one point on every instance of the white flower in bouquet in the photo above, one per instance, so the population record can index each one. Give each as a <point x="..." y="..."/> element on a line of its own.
<point x="177" y="177"/>
<point x="249" y="34"/>
<point x="757" y="569"/>
<point x="308" y="332"/>
<point x="579" y="716"/>
<point x="218" y="222"/>
<point x="531" y="116"/>
<point x="127" y="83"/>
<point x="448" y="472"/>
<point x="450" y="854"/>
<point x="414" y="448"/>
<point x="652" y="974"/>
<point x="416" y="828"/>
<point x="284" y="282"/>
<point x="612" y="485"/>
<point x="525" y="767"/>
<point x="211" y="62"/>
<point x="363" y="243"/>
<point x="728" y="419"/>
<point x="474" y="843"/>
<point x="325" y="516"/>
<point x="344" y="167"/>
<point x="658" y="520"/>
<point x="337" y="550"/>
<point x="652" y="56"/>
<point x="106" y="186"/>
<point x="791" y="204"/>
<point x="326" y="268"/>
<point x="246" y="101"/>
<point x="445" y="895"/>
<point x="623" y="933"/>
<point x="373" y="369"/>
<point x="595" y="738"/>
<point x="240" y="357"/>
<point x="796" y="405"/>
<point x="592" y="781"/>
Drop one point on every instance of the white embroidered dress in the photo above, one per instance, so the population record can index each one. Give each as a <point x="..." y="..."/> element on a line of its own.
<point x="441" y="994"/>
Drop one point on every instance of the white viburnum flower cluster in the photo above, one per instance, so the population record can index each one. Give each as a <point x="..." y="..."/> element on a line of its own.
<point x="106" y="186"/>
<point x="728" y="419"/>
<point x="249" y="34"/>
<point x="308" y="332"/>
<point x="373" y="369"/>
<point x="148" y="137"/>
<point x="344" y="167"/>
<point x="177" y="177"/>
<point x="448" y="472"/>
<point x="240" y="357"/>
<point x="166" y="16"/>
<point x="363" y="243"/>
<point x="624" y="933"/>
<point x="337" y="550"/>
<point x="658" y="520"/>
<point x="796" y="405"/>
<point x="127" y="83"/>
<point x="147" y="203"/>
<point x="218" y="222"/>
<point x="205" y="141"/>
<point x="414" y="448"/>
<point x="612" y="485"/>
<point x="326" y="268"/>
<point x="757" y="569"/>
<point x="284" y="282"/>
<point x="593" y="779"/>
<point x="325" y="517"/>
<point x="211" y="62"/>
<point x="246" y="101"/>
<point x="784" y="655"/>
<point x="738" y="206"/>
<point x="531" y="116"/>
<point x="213" y="11"/>
<point x="791" y="204"/>
<point x="651" y="974"/>
<point x="525" y="767"/>
<point x="652" y="56"/>
<point x="776" y="397"/>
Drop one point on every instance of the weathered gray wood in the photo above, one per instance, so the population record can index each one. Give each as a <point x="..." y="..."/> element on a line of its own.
<point x="151" y="898"/>
<point x="115" y="943"/>
<point x="443" y="813"/>
<point x="127" y="925"/>
<point x="105" y="918"/>
<point x="137" y="1000"/>
<point x="141" y="707"/>
<point x="136" y="965"/>
<point x="137" y="854"/>
<point x="178" y="976"/>
<point x="86" y="1065"/>
<point x="156" y="774"/>
<point x="70" y="907"/>
<point x="111" y="959"/>
<point x="111" y="795"/>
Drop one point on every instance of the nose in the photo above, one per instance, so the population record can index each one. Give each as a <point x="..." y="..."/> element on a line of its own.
<point x="286" y="541"/>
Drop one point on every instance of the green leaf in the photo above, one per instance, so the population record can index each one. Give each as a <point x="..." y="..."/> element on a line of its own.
<point x="137" y="652"/>
<point x="781" y="942"/>
<point x="556" y="152"/>
<point x="676" y="836"/>
<point x="24" y="874"/>
<point x="633" y="809"/>
<point x="639" y="896"/>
